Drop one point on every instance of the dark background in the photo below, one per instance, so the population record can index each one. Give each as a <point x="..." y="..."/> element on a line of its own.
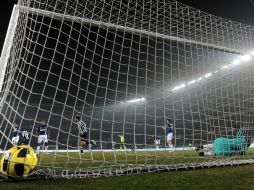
<point x="237" y="10"/>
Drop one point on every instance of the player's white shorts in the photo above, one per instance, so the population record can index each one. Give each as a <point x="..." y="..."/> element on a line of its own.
<point x="42" y="138"/>
<point x="169" y="137"/>
<point x="15" y="140"/>
<point x="157" y="142"/>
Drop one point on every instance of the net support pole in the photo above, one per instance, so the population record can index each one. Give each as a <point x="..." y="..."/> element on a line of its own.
<point x="5" y="54"/>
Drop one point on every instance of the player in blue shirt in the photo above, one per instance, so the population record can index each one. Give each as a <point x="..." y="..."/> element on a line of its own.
<point x="43" y="135"/>
<point x="169" y="130"/>
<point x="83" y="131"/>
<point x="16" y="133"/>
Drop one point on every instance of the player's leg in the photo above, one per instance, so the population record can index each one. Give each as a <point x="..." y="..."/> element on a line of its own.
<point x="87" y="142"/>
<point x="208" y="146"/>
<point x="157" y="144"/>
<point x="17" y="140"/>
<point x="91" y="142"/>
<point x="169" y="140"/>
<point x="199" y="147"/>
<point x="82" y="144"/>
<point x="13" y="141"/>
<point x="39" y="143"/>
<point x="202" y="153"/>
<point x="170" y="143"/>
<point x="122" y="146"/>
<point x="46" y="143"/>
<point x="204" y="150"/>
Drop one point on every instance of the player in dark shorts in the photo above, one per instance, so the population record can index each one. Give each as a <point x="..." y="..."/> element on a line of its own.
<point x="82" y="140"/>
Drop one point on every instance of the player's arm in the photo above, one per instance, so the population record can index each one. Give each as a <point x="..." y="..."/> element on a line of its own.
<point x="26" y="137"/>
<point x="163" y="127"/>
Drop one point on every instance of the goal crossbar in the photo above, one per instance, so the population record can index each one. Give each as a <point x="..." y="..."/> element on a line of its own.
<point x="71" y="18"/>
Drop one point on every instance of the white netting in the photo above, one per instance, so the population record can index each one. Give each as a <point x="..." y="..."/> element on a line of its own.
<point x="125" y="67"/>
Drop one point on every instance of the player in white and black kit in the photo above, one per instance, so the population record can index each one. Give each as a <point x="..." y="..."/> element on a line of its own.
<point x="157" y="142"/>
<point x="82" y="139"/>
<point x="16" y="133"/>
<point x="43" y="135"/>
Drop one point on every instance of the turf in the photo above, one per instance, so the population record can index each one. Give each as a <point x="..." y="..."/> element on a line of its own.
<point x="226" y="178"/>
<point x="237" y="177"/>
<point x="104" y="159"/>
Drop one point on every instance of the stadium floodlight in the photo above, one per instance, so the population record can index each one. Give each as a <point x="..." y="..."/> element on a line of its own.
<point x="136" y="100"/>
<point x="178" y="87"/>
<point x="199" y="79"/>
<point x="245" y="58"/>
<point x="208" y="75"/>
<point x="224" y="67"/>
<point x="191" y="82"/>
<point x="236" y="62"/>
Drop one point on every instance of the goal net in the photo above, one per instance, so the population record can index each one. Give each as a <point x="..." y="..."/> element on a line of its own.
<point x="125" y="67"/>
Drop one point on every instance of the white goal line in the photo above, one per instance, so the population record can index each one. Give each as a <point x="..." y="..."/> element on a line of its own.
<point x="122" y="150"/>
<point x="117" y="150"/>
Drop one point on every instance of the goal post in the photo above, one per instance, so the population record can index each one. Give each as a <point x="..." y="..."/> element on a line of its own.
<point x="128" y="70"/>
<point x="5" y="55"/>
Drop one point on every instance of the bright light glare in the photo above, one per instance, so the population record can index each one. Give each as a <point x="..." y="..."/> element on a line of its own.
<point x="191" y="82"/>
<point x="208" y="75"/>
<point x="136" y="100"/>
<point x="245" y="57"/>
<point x="236" y="62"/>
<point x="224" y="67"/>
<point x="180" y="86"/>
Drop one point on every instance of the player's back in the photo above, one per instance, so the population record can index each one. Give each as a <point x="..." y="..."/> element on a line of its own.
<point x="16" y="131"/>
<point x="42" y="129"/>
<point x="229" y="147"/>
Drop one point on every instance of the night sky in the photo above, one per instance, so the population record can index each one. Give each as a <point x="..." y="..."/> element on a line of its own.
<point x="237" y="10"/>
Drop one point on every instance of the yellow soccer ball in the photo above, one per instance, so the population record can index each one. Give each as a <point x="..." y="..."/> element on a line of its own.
<point x="19" y="161"/>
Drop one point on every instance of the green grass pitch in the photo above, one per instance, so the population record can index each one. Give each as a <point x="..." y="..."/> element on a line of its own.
<point x="237" y="177"/>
